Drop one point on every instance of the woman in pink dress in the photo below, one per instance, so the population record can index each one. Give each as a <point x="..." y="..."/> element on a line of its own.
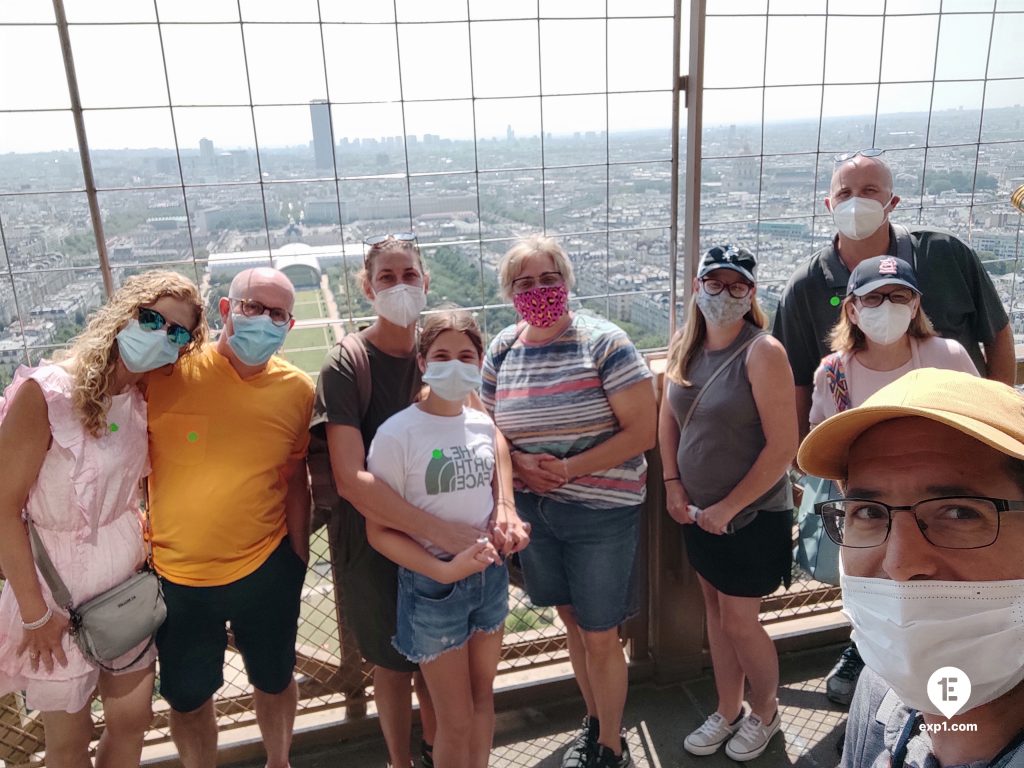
<point x="73" y="446"/>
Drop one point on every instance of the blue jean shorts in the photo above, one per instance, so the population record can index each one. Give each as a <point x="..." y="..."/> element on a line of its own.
<point x="581" y="557"/>
<point x="435" y="617"/>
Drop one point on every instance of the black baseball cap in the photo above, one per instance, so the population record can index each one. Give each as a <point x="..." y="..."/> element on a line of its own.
<point x="878" y="271"/>
<point x="728" y="257"/>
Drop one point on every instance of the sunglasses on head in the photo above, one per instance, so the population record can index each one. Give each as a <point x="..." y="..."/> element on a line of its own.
<point x="842" y="157"/>
<point x="151" y="320"/>
<point x="404" y="237"/>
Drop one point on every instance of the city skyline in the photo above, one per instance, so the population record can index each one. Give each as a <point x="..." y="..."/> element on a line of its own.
<point x="239" y="126"/>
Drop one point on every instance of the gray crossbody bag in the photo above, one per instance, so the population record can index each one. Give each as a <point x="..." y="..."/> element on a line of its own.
<point x="114" y="622"/>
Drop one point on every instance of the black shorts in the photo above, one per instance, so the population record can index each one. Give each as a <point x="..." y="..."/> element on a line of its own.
<point x="752" y="562"/>
<point x="263" y="610"/>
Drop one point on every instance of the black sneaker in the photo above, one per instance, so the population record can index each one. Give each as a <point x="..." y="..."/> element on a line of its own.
<point x="602" y="757"/>
<point x="842" y="680"/>
<point x="576" y="755"/>
<point x="426" y="754"/>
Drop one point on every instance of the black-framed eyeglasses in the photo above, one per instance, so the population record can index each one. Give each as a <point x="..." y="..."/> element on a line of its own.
<point x="402" y="237"/>
<point x="151" y="320"/>
<point x="950" y="522"/>
<point x="544" y="280"/>
<point x="872" y="300"/>
<point x="737" y="290"/>
<point x="250" y="308"/>
<point x="842" y="157"/>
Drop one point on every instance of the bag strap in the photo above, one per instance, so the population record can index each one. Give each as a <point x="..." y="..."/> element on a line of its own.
<point x="835" y="375"/>
<point x="736" y="353"/>
<point x="905" y="245"/>
<point x="353" y="344"/>
<point x="58" y="589"/>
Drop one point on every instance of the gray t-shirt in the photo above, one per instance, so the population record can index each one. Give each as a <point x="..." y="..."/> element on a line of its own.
<point x="394" y="384"/>
<point x="957" y="294"/>
<point x="878" y="717"/>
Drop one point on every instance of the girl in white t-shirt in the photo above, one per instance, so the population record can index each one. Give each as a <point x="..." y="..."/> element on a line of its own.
<point x="448" y="460"/>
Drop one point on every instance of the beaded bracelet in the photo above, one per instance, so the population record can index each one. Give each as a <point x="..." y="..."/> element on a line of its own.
<point x="30" y="625"/>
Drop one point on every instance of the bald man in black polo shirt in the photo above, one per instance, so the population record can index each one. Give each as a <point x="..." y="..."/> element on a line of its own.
<point x="957" y="293"/>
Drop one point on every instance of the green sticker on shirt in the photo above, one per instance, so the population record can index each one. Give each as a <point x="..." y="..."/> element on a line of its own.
<point x="114" y="427"/>
<point x="835" y="301"/>
<point x="192" y="437"/>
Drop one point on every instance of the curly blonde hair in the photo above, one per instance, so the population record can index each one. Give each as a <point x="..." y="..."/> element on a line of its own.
<point x="95" y="353"/>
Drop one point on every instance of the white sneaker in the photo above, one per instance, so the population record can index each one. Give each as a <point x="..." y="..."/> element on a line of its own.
<point x="752" y="738"/>
<point x="711" y="735"/>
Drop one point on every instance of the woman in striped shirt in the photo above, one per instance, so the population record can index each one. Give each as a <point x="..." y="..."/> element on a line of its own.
<point x="575" y="400"/>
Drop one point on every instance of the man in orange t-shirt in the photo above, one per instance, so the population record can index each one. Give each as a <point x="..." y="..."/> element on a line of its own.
<point x="229" y="504"/>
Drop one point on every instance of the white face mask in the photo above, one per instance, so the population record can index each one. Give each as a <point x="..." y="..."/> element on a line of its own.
<point x="452" y="379"/>
<point x="905" y="631"/>
<point x="858" y="217"/>
<point x="885" y="323"/>
<point x="401" y="304"/>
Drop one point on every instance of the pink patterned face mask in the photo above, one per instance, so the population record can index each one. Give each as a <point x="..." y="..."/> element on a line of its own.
<point x="542" y="306"/>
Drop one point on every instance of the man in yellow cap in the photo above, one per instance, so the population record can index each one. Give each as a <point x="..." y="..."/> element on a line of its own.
<point x="931" y="531"/>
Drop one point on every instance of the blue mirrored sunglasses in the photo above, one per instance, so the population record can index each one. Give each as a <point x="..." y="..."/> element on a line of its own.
<point x="151" y="320"/>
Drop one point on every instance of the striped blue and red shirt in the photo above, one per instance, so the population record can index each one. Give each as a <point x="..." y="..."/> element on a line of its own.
<point x="553" y="398"/>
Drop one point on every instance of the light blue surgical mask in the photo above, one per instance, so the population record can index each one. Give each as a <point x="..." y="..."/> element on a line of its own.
<point x="144" y="350"/>
<point x="452" y="379"/>
<point x="255" y="339"/>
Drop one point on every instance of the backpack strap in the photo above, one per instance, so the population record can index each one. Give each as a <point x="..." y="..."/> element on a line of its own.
<point x="835" y="375"/>
<point x="353" y="344"/>
<point x="326" y="500"/>
<point x="905" y="245"/>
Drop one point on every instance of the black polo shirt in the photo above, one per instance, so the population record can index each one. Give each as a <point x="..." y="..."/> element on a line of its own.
<point x="957" y="294"/>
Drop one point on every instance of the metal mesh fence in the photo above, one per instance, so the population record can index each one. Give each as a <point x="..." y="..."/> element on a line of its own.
<point x="330" y="672"/>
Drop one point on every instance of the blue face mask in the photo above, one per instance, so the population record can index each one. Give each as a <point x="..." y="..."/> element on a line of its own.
<point x="255" y="339"/>
<point x="143" y="350"/>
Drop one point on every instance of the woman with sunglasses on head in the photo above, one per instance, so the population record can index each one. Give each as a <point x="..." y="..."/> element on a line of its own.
<point x="574" y="398"/>
<point x="882" y="333"/>
<point x="727" y="435"/>
<point x="393" y="278"/>
<point x="73" y="444"/>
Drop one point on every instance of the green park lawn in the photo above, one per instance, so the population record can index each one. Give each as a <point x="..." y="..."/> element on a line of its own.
<point x="309" y="306"/>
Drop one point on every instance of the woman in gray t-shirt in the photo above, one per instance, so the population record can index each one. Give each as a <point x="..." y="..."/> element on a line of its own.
<point x="727" y="435"/>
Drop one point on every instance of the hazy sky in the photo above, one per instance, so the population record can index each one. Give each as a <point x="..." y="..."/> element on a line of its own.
<point x="361" y="55"/>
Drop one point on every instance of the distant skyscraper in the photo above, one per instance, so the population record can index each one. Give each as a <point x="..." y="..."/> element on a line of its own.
<point x="509" y="133"/>
<point x="206" y="152"/>
<point x="323" y="147"/>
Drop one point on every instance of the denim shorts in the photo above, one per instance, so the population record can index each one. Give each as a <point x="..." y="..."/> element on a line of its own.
<point x="435" y="617"/>
<point x="581" y="557"/>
